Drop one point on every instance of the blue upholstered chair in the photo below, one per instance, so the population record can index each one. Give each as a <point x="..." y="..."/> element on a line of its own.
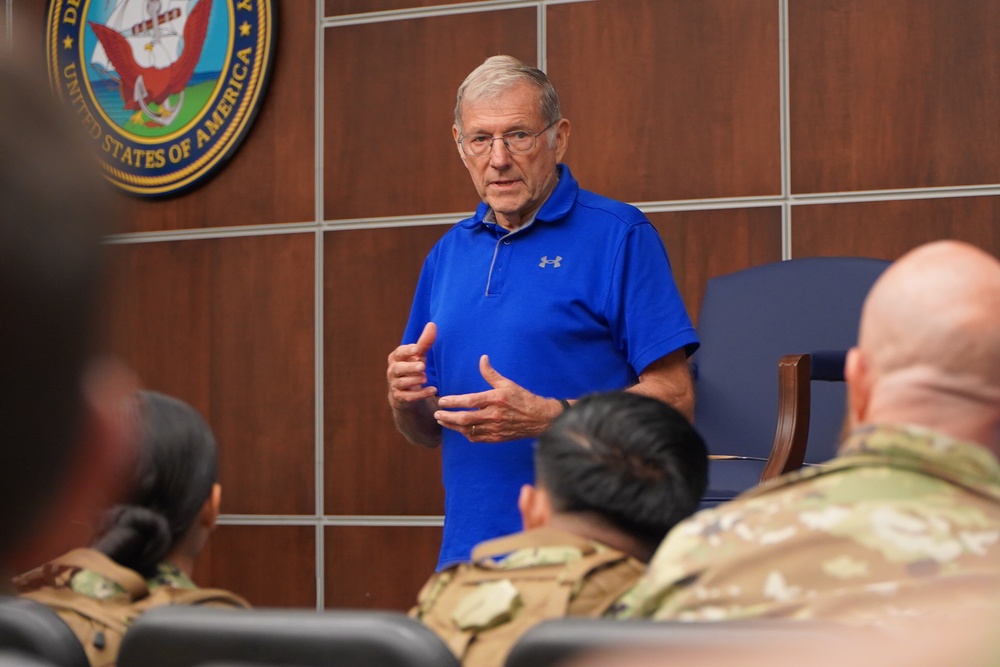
<point x="794" y="321"/>
<point x="180" y="636"/>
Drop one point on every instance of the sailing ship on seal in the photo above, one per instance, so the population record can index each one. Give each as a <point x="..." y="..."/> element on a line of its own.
<point x="150" y="48"/>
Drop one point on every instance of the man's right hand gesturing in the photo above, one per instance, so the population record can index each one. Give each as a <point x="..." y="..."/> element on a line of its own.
<point x="412" y="401"/>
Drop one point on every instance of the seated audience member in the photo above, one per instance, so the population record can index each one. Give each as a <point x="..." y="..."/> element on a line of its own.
<point x="613" y="474"/>
<point x="63" y="450"/>
<point x="145" y="550"/>
<point x="906" y="519"/>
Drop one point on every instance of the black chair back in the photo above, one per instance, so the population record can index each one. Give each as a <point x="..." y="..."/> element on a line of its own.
<point x="32" y="629"/>
<point x="18" y="659"/>
<point x="193" y="636"/>
<point x="564" y="641"/>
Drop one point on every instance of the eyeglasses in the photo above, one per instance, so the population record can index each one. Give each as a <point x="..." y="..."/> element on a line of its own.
<point x="517" y="141"/>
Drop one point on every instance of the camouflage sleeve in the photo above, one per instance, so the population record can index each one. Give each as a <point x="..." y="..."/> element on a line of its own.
<point x="833" y="548"/>
<point x="95" y="586"/>
<point x="667" y="576"/>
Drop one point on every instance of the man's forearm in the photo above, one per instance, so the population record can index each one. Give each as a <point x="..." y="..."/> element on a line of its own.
<point x="680" y="397"/>
<point x="669" y="380"/>
<point x="417" y="423"/>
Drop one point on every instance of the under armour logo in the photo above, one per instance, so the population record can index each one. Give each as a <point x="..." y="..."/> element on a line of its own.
<point x="556" y="263"/>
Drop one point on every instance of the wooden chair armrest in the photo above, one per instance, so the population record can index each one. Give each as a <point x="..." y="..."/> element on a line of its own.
<point x="791" y="435"/>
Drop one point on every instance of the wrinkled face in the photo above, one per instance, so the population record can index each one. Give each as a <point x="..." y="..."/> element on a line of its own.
<point x="513" y="184"/>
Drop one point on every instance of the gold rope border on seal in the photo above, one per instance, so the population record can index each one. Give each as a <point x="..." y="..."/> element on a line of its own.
<point x="178" y="179"/>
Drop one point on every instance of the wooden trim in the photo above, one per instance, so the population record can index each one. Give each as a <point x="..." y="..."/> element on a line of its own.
<point x="791" y="435"/>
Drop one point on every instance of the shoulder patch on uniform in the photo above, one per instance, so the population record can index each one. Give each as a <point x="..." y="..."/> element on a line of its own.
<point x="490" y="604"/>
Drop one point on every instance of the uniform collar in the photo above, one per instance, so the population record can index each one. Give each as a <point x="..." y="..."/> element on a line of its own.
<point x="927" y="449"/>
<point x="905" y="447"/>
<point x="531" y="539"/>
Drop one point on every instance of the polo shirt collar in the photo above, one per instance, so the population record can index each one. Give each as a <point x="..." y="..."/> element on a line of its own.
<point x="558" y="204"/>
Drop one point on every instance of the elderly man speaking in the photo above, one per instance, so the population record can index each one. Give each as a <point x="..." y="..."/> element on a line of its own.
<point x="547" y="293"/>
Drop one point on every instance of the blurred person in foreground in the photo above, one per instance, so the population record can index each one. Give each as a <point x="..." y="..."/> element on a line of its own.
<point x="613" y="474"/>
<point x="145" y="548"/>
<point x="905" y="521"/>
<point x="64" y="445"/>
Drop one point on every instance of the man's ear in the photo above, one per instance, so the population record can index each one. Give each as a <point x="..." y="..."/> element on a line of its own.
<point x="535" y="506"/>
<point x="562" y="138"/>
<point x="858" y="378"/>
<point x="456" y="135"/>
<point x="100" y="471"/>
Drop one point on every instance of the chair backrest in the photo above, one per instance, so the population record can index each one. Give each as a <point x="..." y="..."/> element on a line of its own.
<point x="564" y="641"/>
<point x="750" y="319"/>
<point x="19" y="659"/>
<point x="190" y="636"/>
<point x="32" y="629"/>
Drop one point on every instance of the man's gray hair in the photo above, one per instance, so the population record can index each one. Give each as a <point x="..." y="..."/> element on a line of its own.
<point x="499" y="74"/>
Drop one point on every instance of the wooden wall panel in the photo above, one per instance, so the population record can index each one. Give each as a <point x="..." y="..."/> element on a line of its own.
<point x="270" y="177"/>
<point x="387" y="139"/>
<point x="705" y="244"/>
<point x="227" y="325"/>
<point x="669" y="99"/>
<point x="341" y="7"/>
<point x="893" y="94"/>
<point x="378" y="567"/>
<point x="28" y="28"/>
<point x="887" y="229"/>
<point x="369" y="283"/>
<point x="271" y="566"/>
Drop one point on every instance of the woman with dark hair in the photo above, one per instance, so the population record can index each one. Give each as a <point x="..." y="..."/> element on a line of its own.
<point x="145" y="549"/>
<point x="176" y="496"/>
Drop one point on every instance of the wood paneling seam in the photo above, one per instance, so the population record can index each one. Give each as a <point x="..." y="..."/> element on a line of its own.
<point x="437" y="11"/>
<point x="319" y="287"/>
<point x="330" y="520"/>
<point x="784" y="112"/>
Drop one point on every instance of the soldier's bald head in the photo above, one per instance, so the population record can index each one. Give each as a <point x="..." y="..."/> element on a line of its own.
<point x="931" y="328"/>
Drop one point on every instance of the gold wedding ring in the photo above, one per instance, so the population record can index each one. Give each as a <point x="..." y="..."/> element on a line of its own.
<point x="473" y="430"/>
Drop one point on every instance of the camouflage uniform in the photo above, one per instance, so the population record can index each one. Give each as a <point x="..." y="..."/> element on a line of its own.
<point x="99" y="599"/>
<point x="480" y="609"/>
<point x="99" y="587"/>
<point x="903" y="520"/>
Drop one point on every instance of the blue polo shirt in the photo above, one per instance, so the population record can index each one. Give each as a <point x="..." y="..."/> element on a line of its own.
<point x="580" y="300"/>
